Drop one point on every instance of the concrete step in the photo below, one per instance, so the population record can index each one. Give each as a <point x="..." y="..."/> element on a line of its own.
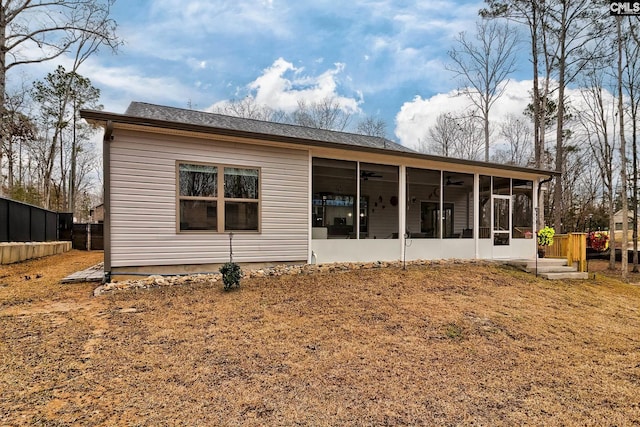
<point x="530" y="265"/>
<point x="565" y="276"/>
<point x="552" y="269"/>
<point x="548" y="262"/>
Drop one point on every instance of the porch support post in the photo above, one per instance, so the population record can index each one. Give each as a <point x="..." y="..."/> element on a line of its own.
<point x="402" y="191"/>
<point x="536" y="214"/>
<point x="310" y="210"/>
<point x="441" y="209"/>
<point x="476" y="213"/>
<point x="356" y="218"/>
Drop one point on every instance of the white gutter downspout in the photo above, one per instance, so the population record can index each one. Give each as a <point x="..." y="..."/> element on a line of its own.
<point x="356" y="220"/>
<point x="402" y="231"/>
<point x="310" y="254"/>
<point x="106" y="202"/>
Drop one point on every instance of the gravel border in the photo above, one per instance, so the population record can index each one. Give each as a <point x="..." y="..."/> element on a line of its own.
<point x="156" y="281"/>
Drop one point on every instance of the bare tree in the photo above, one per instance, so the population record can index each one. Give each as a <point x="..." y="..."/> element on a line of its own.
<point x="249" y="108"/>
<point x="85" y="166"/>
<point x="17" y="129"/>
<point x="565" y="37"/>
<point x="60" y="96"/>
<point x="452" y="135"/>
<point x="632" y="87"/>
<point x="518" y="135"/>
<point x="595" y="121"/>
<point x="327" y="113"/>
<point x="82" y="95"/>
<point x="574" y="42"/>
<point x="51" y="28"/>
<point x="530" y="13"/>
<point x="623" y="150"/>
<point x="372" y="127"/>
<point x="441" y="136"/>
<point x="533" y="15"/>
<point x="484" y="65"/>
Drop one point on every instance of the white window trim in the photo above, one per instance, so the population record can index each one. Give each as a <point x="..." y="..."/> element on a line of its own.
<point x="220" y="199"/>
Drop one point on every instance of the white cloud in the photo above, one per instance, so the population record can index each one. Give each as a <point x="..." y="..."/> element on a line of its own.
<point x="282" y="85"/>
<point x="124" y="84"/>
<point x="196" y="64"/>
<point x="219" y="17"/>
<point x="418" y="115"/>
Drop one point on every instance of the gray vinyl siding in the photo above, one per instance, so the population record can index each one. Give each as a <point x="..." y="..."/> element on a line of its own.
<point x="383" y="217"/>
<point x="143" y="202"/>
<point x="462" y="213"/>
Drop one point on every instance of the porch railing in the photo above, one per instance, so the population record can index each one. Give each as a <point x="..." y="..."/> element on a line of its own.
<point x="571" y="246"/>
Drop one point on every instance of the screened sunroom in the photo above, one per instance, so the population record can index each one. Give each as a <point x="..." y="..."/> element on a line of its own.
<point x="359" y="208"/>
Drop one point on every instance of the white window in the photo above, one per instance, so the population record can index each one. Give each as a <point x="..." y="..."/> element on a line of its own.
<point x="218" y="198"/>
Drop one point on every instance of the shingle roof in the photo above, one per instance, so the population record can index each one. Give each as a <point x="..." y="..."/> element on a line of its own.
<point x="201" y="118"/>
<point x="143" y="114"/>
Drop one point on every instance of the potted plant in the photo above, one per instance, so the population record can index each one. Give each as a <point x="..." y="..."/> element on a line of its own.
<point x="598" y="240"/>
<point x="545" y="238"/>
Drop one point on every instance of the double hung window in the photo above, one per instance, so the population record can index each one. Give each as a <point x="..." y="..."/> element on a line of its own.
<point x="218" y="198"/>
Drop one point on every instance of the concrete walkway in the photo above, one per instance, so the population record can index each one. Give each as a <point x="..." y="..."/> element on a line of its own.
<point x="91" y="274"/>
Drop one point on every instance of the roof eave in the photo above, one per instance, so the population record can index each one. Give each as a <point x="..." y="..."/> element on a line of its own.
<point x="102" y="116"/>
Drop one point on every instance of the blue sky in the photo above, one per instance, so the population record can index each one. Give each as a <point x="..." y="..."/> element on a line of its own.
<point x="380" y="58"/>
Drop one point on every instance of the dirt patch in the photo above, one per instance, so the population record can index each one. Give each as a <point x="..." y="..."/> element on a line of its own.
<point x="36" y="282"/>
<point x="601" y="266"/>
<point x="443" y="345"/>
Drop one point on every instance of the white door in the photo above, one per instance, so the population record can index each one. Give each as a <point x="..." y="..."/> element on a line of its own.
<point x="501" y="226"/>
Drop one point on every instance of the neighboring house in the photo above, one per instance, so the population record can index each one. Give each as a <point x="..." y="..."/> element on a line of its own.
<point x="97" y="213"/>
<point x="617" y="219"/>
<point x="178" y="182"/>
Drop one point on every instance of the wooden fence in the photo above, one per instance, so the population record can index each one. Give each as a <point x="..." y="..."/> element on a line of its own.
<point x="88" y="236"/>
<point x="571" y="246"/>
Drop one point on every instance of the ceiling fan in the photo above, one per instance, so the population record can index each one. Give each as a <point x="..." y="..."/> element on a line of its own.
<point x="449" y="182"/>
<point x="368" y="174"/>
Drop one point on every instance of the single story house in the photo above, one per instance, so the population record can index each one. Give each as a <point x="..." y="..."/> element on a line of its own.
<point x="617" y="219"/>
<point x="178" y="182"/>
<point x="618" y="222"/>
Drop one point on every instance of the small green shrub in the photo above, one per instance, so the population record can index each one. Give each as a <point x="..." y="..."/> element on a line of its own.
<point x="231" y="274"/>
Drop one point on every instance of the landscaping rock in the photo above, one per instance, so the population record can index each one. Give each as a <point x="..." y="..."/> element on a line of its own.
<point x="277" y="270"/>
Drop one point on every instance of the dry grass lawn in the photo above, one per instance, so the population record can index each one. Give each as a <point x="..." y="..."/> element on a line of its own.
<point x="446" y="345"/>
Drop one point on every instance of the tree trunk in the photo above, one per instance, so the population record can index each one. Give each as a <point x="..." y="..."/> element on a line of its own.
<point x="72" y="173"/>
<point x="47" y="178"/>
<point x="623" y="159"/>
<point x="486" y="133"/>
<point x="10" y="160"/>
<point x="538" y="116"/>
<point x="634" y="197"/>
<point x="63" y="177"/>
<point x="3" y="58"/>
<point x="562" y="64"/>
<point x="612" y="233"/>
